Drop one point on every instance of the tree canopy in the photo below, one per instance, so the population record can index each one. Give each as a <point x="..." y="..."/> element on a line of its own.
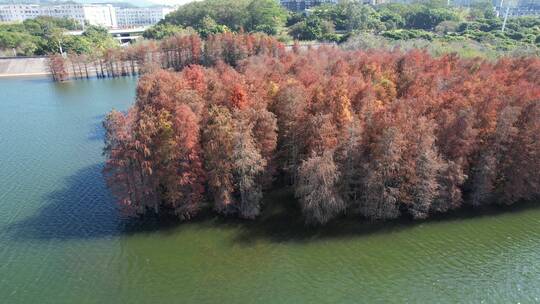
<point x="373" y="134"/>
<point x="250" y="15"/>
<point x="44" y="35"/>
<point x="162" y="31"/>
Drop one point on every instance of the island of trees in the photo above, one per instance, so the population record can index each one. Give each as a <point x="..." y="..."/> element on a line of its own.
<point x="226" y="111"/>
<point x="377" y="134"/>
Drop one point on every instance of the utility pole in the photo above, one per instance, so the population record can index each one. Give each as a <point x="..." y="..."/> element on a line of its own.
<point x="505" y="18"/>
<point x="500" y="8"/>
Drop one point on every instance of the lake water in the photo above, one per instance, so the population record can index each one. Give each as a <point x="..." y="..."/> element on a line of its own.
<point x="62" y="239"/>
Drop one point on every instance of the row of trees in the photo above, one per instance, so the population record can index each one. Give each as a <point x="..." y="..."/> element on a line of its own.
<point x="34" y="36"/>
<point x="430" y="20"/>
<point x="426" y="20"/>
<point x="379" y="134"/>
<point x="46" y="35"/>
<point x="174" y="52"/>
<point x="438" y="47"/>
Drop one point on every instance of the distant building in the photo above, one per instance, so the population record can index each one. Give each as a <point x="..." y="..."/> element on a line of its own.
<point x="302" y="5"/>
<point x="18" y="12"/>
<point x="376" y="2"/>
<point x="95" y="14"/>
<point x="102" y="14"/>
<point x="140" y="16"/>
<point x="517" y="7"/>
<point x="522" y="8"/>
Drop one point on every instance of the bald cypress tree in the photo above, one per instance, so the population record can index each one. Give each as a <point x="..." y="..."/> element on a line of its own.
<point x="218" y="144"/>
<point x="248" y="167"/>
<point x="317" y="189"/>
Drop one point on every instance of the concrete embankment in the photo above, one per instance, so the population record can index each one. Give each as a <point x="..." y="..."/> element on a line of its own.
<point x="23" y="66"/>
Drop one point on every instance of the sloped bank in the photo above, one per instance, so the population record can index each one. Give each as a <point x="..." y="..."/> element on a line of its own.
<point x="23" y="66"/>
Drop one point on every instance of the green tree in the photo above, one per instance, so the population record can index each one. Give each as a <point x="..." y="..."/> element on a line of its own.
<point x="40" y="36"/>
<point x="391" y="19"/>
<point x="265" y="16"/>
<point x="313" y="28"/>
<point x="209" y="26"/>
<point x="349" y="15"/>
<point x="428" y="18"/>
<point x="56" y="37"/>
<point x="232" y="14"/>
<point x="17" y="43"/>
<point x="77" y="44"/>
<point x="215" y="16"/>
<point x="99" y="38"/>
<point x="161" y="31"/>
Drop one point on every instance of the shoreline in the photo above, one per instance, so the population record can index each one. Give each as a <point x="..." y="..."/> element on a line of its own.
<point x="23" y="67"/>
<point x="19" y="75"/>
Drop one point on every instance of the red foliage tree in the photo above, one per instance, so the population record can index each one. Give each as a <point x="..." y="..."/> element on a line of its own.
<point x="317" y="190"/>
<point x="57" y="67"/>
<point x="374" y="133"/>
<point x="218" y="141"/>
<point x="187" y="185"/>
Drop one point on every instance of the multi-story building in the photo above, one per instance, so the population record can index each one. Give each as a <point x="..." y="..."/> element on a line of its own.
<point x="95" y="14"/>
<point x="140" y="16"/>
<point x="18" y="12"/>
<point x="521" y="8"/>
<point x="375" y="2"/>
<point x="71" y="10"/>
<point x="302" y="5"/>
<point x="515" y="8"/>
<point x="104" y="15"/>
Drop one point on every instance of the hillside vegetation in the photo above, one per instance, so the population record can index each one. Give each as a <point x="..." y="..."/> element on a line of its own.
<point x="46" y="35"/>
<point x="473" y="31"/>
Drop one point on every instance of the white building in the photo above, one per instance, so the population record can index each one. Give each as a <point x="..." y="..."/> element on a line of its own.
<point x="302" y="5"/>
<point x="18" y="12"/>
<point x="103" y="15"/>
<point x="95" y="14"/>
<point x="518" y="8"/>
<point x="140" y="16"/>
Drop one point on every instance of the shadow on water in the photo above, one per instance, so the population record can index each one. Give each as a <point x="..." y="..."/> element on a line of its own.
<point x="283" y="222"/>
<point x="97" y="132"/>
<point x="84" y="209"/>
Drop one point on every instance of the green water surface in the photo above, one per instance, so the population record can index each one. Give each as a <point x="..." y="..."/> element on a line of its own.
<point x="62" y="240"/>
